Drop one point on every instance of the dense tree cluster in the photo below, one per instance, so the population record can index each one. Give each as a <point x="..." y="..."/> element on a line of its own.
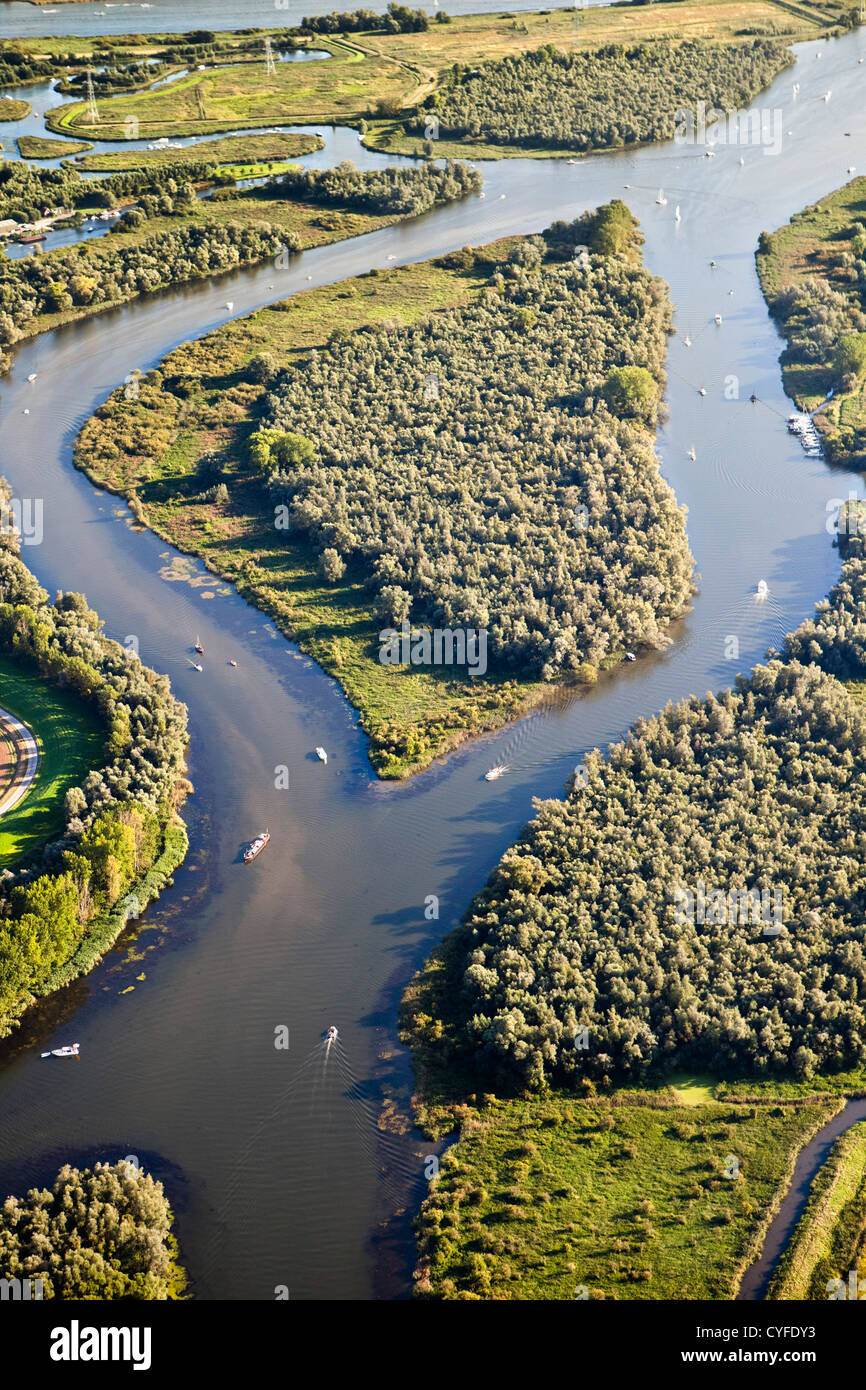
<point x="835" y="639"/>
<point x="113" y="77"/>
<point x="28" y="192"/>
<point x="112" y="274"/>
<point x="405" y="190"/>
<point x="18" y="69"/>
<point x="100" y="1233"/>
<point x="399" y="19"/>
<point x="616" y="95"/>
<point x="472" y="465"/>
<point x="116" y="822"/>
<point x="583" y="924"/>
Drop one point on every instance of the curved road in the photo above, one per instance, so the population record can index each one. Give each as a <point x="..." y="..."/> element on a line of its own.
<point x="26" y="751"/>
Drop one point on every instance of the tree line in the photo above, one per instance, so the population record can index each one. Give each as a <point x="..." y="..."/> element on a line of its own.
<point x="118" y="821"/>
<point x="398" y="19"/>
<point x="616" y="95"/>
<point x="471" y="465"/>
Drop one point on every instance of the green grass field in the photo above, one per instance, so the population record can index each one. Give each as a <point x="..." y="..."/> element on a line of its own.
<point x="259" y="149"/>
<point x="546" y="1198"/>
<point x="342" y="88"/>
<point x="37" y="147"/>
<point x="11" y="109"/>
<point x="71" y="743"/>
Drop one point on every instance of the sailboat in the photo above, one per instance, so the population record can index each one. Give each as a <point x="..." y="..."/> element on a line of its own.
<point x="661" y="199"/>
<point x="677" y="214"/>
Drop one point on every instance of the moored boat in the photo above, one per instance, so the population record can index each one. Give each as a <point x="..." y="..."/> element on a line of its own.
<point x="255" y="847"/>
<point x="70" y="1050"/>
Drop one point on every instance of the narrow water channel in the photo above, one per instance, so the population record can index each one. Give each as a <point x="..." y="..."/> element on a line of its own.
<point x="273" y="1159"/>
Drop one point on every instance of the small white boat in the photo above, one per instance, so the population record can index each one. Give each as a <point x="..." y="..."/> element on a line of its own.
<point x="195" y="666"/>
<point x="827" y="96"/>
<point x="332" y="1034"/>
<point x="496" y="772"/>
<point x="232" y="661"/>
<point x="763" y="588"/>
<point x="34" y="375"/>
<point x="661" y="199"/>
<point x="25" y="412"/>
<point x="717" y="319"/>
<point x="230" y="304"/>
<point x="630" y="656"/>
<point x="197" y="646"/>
<point x="742" y="161"/>
<point x="255" y="847"/>
<point x="709" y="154"/>
<point x="321" y="754"/>
<point x="691" y="454"/>
<point x="702" y="390"/>
<point x="571" y="161"/>
<point x="70" y="1050"/>
<point x="687" y="342"/>
<point x="677" y="214"/>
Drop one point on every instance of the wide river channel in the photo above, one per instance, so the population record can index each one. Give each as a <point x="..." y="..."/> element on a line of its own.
<point x="275" y="1160"/>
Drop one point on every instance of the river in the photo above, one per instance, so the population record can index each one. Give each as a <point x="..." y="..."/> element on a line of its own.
<point x="273" y="1158"/>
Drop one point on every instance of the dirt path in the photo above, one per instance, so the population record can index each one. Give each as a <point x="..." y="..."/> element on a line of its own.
<point x="23" y="754"/>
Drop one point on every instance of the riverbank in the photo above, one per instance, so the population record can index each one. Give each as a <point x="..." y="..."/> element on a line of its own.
<point x="813" y="274"/>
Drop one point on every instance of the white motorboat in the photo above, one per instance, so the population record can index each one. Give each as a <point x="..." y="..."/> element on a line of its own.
<point x="33" y="375"/>
<point x="630" y="656"/>
<point x="496" y="772"/>
<point x="717" y="319"/>
<point x="70" y="1050"/>
<point x="332" y="1034"/>
<point x="661" y="199"/>
<point x="691" y="454"/>
<point x="255" y="847"/>
<point x="321" y="754"/>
